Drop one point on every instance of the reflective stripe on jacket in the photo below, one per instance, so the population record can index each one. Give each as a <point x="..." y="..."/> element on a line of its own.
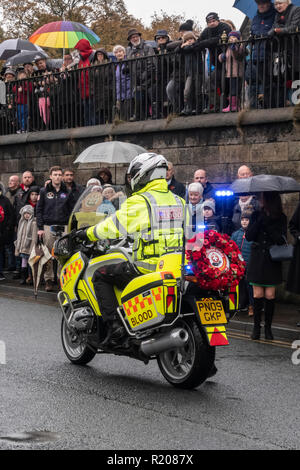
<point x="153" y="217"/>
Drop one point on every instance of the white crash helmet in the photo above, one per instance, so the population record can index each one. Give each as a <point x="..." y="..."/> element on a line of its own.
<point x="145" y="168"/>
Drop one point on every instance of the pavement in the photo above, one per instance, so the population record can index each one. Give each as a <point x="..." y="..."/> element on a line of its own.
<point x="286" y="317"/>
<point x="115" y="402"/>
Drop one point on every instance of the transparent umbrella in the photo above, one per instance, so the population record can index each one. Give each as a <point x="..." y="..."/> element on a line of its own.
<point x="111" y="153"/>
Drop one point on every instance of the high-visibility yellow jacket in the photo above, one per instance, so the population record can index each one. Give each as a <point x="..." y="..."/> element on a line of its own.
<point x="153" y="217"/>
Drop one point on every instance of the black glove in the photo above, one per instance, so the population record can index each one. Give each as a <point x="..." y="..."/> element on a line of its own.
<point x="81" y="236"/>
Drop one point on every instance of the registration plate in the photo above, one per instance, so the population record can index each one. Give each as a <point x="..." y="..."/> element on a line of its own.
<point x="211" y="312"/>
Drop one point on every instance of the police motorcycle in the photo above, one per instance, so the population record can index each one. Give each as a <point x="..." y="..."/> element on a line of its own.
<point x="164" y="316"/>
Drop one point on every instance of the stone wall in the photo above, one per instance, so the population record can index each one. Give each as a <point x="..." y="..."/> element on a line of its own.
<point x="267" y="140"/>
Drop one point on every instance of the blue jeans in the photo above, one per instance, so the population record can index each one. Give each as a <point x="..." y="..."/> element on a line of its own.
<point x="89" y="112"/>
<point x="22" y="114"/>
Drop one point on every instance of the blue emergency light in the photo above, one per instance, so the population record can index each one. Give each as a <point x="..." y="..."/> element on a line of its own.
<point x="224" y="193"/>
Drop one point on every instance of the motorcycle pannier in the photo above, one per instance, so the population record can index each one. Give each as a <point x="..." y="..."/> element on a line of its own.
<point x="150" y="300"/>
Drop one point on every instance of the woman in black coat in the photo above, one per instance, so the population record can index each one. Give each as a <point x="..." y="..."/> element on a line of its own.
<point x="267" y="227"/>
<point x="6" y="226"/>
<point x="293" y="283"/>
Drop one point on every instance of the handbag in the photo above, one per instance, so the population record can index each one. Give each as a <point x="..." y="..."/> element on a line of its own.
<point x="282" y="252"/>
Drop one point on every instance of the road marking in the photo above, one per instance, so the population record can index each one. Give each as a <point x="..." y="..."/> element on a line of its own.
<point x="281" y="344"/>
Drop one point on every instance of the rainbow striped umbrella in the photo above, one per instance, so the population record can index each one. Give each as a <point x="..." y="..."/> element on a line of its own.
<point x="63" y="35"/>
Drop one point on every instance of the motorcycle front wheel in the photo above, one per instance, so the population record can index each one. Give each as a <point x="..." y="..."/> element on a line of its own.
<point x="190" y="366"/>
<point x="75" y="346"/>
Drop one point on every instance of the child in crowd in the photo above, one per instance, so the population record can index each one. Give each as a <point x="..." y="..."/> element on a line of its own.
<point x="22" y="91"/>
<point x="33" y="196"/>
<point x="234" y="69"/>
<point x="239" y="237"/>
<point x="210" y="220"/>
<point x="189" y="39"/>
<point x="26" y="238"/>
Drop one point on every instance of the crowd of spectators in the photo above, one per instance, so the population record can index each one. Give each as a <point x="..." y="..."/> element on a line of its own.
<point x="214" y="71"/>
<point x="29" y="213"/>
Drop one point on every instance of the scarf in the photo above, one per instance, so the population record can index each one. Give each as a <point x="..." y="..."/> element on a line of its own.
<point x="282" y="16"/>
<point x="244" y="205"/>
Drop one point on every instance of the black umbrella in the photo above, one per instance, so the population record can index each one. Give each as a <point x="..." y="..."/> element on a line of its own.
<point x="11" y="47"/>
<point x="25" y="57"/>
<point x="265" y="183"/>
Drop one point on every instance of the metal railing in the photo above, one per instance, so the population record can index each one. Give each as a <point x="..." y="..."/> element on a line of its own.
<point x="260" y="73"/>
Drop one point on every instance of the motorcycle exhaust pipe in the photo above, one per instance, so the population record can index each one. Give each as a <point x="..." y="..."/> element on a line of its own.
<point x="176" y="338"/>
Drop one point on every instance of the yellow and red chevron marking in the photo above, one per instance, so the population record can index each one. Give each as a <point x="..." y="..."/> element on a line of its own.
<point x="136" y="304"/>
<point x="156" y="295"/>
<point x="70" y="270"/>
<point x="217" y="335"/>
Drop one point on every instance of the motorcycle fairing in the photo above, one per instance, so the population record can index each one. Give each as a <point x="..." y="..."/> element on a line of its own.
<point x="71" y="273"/>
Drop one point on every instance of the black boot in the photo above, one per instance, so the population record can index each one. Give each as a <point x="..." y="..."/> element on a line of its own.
<point x="257" y="308"/>
<point x="24" y="274"/>
<point x="115" y="331"/>
<point x="269" y="313"/>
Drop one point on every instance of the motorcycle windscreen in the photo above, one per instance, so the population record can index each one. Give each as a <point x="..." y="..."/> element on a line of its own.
<point x="95" y="205"/>
<point x="194" y="231"/>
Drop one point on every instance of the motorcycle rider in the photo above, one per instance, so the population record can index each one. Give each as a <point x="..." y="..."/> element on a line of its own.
<point x="153" y="217"/>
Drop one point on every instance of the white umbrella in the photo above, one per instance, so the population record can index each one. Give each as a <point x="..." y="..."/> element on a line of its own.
<point x="111" y="153"/>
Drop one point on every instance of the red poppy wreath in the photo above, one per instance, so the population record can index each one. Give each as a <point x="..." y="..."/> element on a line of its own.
<point x="219" y="264"/>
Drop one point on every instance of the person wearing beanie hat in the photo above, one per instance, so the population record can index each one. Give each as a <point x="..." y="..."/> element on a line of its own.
<point x="233" y="58"/>
<point x="9" y="75"/>
<point x="210" y="39"/>
<point x="188" y="36"/>
<point x="187" y="26"/>
<point x="159" y="105"/>
<point x="258" y="69"/>
<point x="246" y="300"/>
<point x="188" y="39"/>
<point x="211" y="19"/>
<point x="210" y="220"/>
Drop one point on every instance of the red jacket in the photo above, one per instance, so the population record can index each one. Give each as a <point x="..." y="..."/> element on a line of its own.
<point x="86" y="52"/>
<point x="22" y="96"/>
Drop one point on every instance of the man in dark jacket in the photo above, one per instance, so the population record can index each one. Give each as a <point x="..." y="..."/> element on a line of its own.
<point x="260" y="66"/>
<point x="200" y="176"/>
<point x="175" y="186"/>
<point x="21" y="196"/>
<point x="210" y="39"/>
<point x="75" y="188"/>
<point x="163" y="66"/>
<point x="176" y="83"/>
<point x="53" y="208"/>
<point x="141" y="71"/>
<point x="6" y="227"/>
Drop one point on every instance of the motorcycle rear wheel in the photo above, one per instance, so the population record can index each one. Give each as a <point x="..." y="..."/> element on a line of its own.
<point x="76" y="350"/>
<point x="190" y="366"/>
